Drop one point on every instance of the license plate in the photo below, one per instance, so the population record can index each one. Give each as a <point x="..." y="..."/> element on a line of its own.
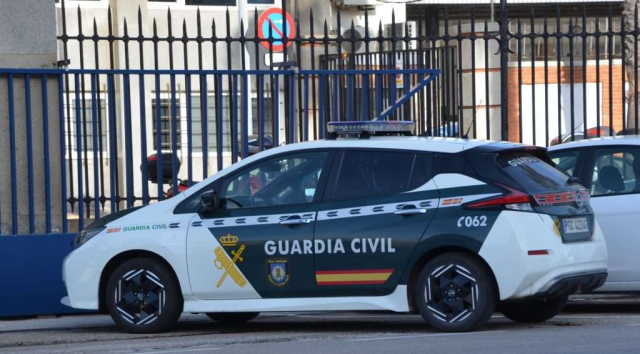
<point x="575" y="225"/>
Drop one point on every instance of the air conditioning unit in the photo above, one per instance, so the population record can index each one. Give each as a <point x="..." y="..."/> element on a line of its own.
<point x="413" y="33"/>
<point x="402" y="29"/>
<point x="359" y="34"/>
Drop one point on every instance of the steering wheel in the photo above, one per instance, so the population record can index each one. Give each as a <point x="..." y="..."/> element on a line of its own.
<point x="259" y="199"/>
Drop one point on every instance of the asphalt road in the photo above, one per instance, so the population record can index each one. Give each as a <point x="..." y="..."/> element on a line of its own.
<point x="586" y="327"/>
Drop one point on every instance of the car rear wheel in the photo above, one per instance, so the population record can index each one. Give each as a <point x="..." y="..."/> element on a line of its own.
<point x="232" y="317"/>
<point x="455" y="292"/>
<point x="143" y="296"/>
<point x="533" y="311"/>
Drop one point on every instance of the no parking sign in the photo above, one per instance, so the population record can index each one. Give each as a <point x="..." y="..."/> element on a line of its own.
<point x="271" y="24"/>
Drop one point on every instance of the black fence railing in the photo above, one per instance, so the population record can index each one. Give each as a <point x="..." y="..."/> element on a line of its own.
<point x="436" y="106"/>
<point x="537" y="74"/>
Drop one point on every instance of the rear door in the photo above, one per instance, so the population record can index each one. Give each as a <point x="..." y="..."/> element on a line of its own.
<point x="615" y="190"/>
<point x="377" y="206"/>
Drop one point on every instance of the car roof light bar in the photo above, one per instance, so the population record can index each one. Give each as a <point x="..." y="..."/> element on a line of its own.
<point x="365" y="129"/>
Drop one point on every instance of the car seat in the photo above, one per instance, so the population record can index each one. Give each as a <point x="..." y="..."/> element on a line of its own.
<point x="610" y="179"/>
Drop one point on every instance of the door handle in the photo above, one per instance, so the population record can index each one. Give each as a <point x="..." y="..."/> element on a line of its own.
<point x="293" y="220"/>
<point x="410" y="211"/>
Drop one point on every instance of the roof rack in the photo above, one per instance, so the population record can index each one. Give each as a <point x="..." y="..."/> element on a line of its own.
<point x="366" y="129"/>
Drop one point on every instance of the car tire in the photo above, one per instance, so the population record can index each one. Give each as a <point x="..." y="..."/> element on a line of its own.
<point x="232" y="317"/>
<point x="533" y="311"/>
<point x="144" y="296"/>
<point x="456" y="292"/>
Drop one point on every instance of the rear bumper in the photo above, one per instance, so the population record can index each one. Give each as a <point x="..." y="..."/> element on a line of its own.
<point x="572" y="284"/>
<point x="565" y="268"/>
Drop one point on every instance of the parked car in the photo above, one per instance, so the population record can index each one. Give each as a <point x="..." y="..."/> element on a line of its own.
<point x="448" y="228"/>
<point x="590" y="133"/>
<point x="610" y="168"/>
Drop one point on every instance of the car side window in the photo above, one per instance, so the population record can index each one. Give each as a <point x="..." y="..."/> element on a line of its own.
<point x="372" y="173"/>
<point x="615" y="170"/>
<point x="291" y="179"/>
<point x="566" y="161"/>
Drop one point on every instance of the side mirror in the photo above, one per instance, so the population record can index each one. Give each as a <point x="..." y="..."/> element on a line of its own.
<point x="208" y="201"/>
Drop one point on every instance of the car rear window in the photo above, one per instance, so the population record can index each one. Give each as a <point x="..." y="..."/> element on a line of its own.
<point x="530" y="172"/>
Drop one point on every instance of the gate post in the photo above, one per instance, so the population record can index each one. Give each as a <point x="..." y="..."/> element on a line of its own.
<point x="504" y="71"/>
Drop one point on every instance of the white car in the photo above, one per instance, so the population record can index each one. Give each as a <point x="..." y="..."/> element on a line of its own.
<point x="609" y="168"/>
<point x="449" y="228"/>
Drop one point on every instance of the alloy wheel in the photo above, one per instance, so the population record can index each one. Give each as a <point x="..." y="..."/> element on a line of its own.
<point x="451" y="293"/>
<point x="140" y="297"/>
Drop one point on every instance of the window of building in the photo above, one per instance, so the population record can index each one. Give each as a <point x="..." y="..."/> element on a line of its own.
<point x="211" y="2"/>
<point x="602" y="47"/>
<point x="196" y="123"/>
<point x="260" y="2"/>
<point x="165" y="124"/>
<point x="87" y="118"/>
<point x="365" y="174"/>
<point x="268" y="116"/>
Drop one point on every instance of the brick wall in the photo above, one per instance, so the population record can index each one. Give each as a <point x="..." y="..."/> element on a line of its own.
<point x="578" y="78"/>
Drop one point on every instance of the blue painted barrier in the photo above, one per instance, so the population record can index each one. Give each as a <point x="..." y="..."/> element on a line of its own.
<point x="31" y="275"/>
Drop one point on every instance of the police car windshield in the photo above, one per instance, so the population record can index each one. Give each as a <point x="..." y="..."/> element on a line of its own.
<point x="530" y="172"/>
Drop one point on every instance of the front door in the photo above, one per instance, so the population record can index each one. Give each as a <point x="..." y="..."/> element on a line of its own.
<point x="257" y="243"/>
<point x="377" y="206"/>
<point x="615" y="191"/>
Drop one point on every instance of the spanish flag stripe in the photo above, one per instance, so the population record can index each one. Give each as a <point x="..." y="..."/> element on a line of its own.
<point x="351" y="283"/>
<point x="319" y="272"/>
<point x="353" y="277"/>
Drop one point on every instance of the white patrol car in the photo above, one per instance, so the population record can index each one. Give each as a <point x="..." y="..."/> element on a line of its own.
<point x="449" y="228"/>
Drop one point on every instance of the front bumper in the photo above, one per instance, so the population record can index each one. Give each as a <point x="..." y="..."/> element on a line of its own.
<point x="81" y="273"/>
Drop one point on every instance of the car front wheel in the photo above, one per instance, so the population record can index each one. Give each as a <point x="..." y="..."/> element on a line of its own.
<point x="533" y="311"/>
<point x="143" y="296"/>
<point x="455" y="292"/>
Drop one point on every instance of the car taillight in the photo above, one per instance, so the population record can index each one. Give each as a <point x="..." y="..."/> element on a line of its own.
<point x="512" y="199"/>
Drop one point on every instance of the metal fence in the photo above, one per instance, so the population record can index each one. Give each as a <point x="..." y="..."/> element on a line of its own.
<point x="207" y="89"/>
<point x="114" y="164"/>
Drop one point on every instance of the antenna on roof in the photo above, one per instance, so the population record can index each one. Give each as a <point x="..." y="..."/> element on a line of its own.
<point x="473" y="121"/>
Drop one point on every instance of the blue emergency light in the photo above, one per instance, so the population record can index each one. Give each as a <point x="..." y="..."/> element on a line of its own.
<point x="365" y="129"/>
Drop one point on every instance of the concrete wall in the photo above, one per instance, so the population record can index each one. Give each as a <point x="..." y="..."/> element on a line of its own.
<point x="27" y="34"/>
<point x="28" y="40"/>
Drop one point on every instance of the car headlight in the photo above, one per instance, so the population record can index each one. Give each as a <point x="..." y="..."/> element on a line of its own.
<point x="86" y="235"/>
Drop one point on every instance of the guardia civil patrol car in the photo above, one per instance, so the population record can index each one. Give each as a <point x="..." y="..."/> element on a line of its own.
<point x="448" y="228"/>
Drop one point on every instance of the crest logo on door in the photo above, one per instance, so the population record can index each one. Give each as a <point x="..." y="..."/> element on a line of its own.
<point x="278" y="271"/>
<point x="227" y="264"/>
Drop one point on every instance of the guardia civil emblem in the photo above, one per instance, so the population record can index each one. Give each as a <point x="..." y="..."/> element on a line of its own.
<point x="278" y="271"/>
